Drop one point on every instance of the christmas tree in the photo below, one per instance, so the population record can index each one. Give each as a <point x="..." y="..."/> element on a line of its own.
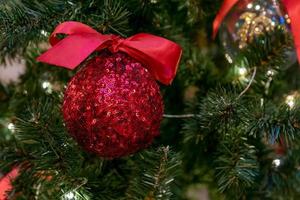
<point x="120" y="125"/>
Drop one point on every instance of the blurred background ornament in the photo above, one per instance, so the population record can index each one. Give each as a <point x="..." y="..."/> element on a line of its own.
<point x="249" y="19"/>
<point x="5" y="183"/>
<point x="11" y="71"/>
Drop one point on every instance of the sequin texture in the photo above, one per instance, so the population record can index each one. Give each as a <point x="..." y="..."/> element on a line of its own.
<point x="113" y="106"/>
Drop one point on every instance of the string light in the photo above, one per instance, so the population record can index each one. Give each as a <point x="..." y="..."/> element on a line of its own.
<point x="229" y="59"/>
<point x="47" y="86"/>
<point x="257" y="7"/>
<point x="242" y="71"/>
<point x="270" y="72"/>
<point x="44" y="33"/>
<point x="290" y="100"/>
<point x="69" y="196"/>
<point x="276" y="163"/>
<point x="11" y="127"/>
<point x="242" y="74"/>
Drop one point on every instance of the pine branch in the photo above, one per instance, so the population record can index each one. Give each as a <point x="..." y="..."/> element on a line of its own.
<point x="52" y="164"/>
<point x="274" y="123"/>
<point x="154" y="175"/>
<point x="237" y="167"/>
<point x="22" y="22"/>
<point x="28" y="23"/>
<point x="221" y="109"/>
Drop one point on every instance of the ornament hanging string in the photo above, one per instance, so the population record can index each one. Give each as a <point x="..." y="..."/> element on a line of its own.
<point x="180" y="116"/>
<point x="249" y="84"/>
<point x="292" y="7"/>
<point x="160" y="56"/>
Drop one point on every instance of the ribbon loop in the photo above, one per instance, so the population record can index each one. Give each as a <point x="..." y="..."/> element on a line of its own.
<point x="159" y="55"/>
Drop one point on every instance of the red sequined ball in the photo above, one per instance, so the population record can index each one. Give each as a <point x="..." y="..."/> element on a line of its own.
<point x="113" y="106"/>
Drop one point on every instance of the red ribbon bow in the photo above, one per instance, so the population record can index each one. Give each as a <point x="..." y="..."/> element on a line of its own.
<point x="293" y="9"/>
<point x="159" y="55"/>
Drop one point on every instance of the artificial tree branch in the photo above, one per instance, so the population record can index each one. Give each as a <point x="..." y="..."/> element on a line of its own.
<point x="195" y="115"/>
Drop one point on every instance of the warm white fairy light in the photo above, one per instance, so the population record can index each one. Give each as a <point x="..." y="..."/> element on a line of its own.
<point x="242" y="74"/>
<point x="250" y="5"/>
<point x="44" y="33"/>
<point x="46" y="85"/>
<point x="11" y="127"/>
<point x="242" y="71"/>
<point x="69" y="196"/>
<point x="273" y="23"/>
<point x="270" y="73"/>
<point x="229" y="59"/>
<point x="290" y="100"/>
<point x="276" y="163"/>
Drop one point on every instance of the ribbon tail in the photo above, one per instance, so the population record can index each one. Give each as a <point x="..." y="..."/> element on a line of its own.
<point x="72" y="50"/>
<point x="293" y="9"/>
<point x="160" y="56"/>
<point x="225" y="8"/>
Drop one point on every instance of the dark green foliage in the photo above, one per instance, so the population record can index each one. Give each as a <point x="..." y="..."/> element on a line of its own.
<point x="157" y="179"/>
<point x="237" y="166"/>
<point x="55" y="166"/>
<point x="274" y="123"/>
<point x="23" y="22"/>
<point x="240" y="130"/>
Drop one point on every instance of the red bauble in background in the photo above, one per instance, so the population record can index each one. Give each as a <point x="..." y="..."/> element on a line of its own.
<point x="113" y="106"/>
<point x="5" y="183"/>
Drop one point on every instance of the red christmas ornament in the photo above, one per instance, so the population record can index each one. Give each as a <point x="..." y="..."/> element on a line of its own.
<point x="113" y="106"/>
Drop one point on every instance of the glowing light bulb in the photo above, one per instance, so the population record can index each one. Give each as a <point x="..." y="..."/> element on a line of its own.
<point x="229" y="59"/>
<point x="250" y="5"/>
<point x="257" y="7"/>
<point x="276" y="163"/>
<point x="46" y="85"/>
<point x="69" y="196"/>
<point x="290" y="101"/>
<point x="44" y="33"/>
<point x="242" y="71"/>
<point x="11" y="127"/>
<point x="270" y="73"/>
